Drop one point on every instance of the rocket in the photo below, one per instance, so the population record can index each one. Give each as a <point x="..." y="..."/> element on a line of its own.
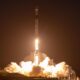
<point x="36" y="22"/>
<point x="36" y="59"/>
<point x="36" y="30"/>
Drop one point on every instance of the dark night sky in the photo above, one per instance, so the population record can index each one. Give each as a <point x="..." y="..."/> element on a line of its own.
<point x="59" y="30"/>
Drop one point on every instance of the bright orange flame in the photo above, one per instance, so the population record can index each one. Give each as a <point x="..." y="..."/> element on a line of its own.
<point x="36" y="44"/>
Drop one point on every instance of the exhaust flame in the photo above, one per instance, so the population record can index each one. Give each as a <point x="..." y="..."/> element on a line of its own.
<point x="36" y="44"/>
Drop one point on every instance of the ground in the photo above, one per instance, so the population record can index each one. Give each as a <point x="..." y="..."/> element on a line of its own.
<point x="15" y="76"/>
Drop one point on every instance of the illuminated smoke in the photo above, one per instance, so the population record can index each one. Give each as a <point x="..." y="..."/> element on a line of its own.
<point x="41" y="68"/>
